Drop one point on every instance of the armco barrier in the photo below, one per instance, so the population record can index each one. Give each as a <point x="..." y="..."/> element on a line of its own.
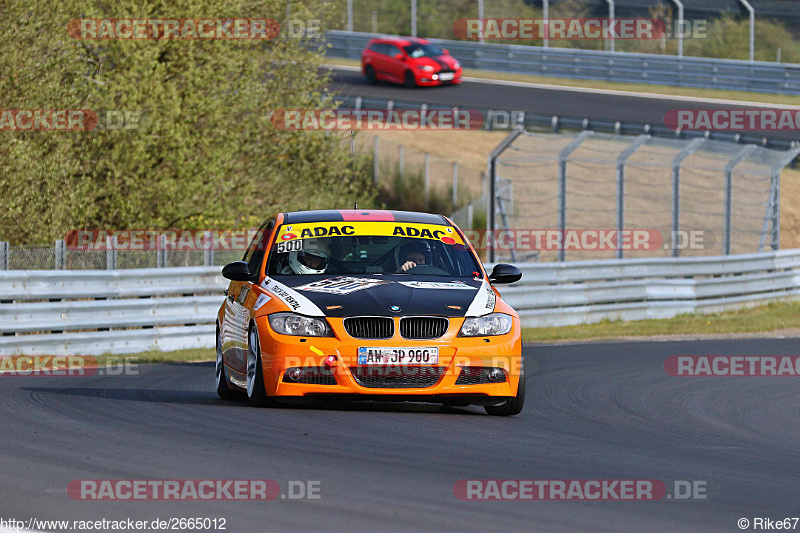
<point x="92" y="312"/>
<point x="581" y="292"/>
<point x="756" y="76"/>
<point x="125" y="311"/>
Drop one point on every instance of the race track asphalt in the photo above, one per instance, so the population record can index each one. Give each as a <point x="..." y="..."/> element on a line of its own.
<point x="547" y="101"/>
<point x="594" y="411"/>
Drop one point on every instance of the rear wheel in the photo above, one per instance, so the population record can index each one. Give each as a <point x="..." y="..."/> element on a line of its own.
<point x="410" y="81"/>
<point x="513" y="405"/>
<point x="256" y="393"/>
<point x="222" y="379"/>
<point x="369" y="72"/>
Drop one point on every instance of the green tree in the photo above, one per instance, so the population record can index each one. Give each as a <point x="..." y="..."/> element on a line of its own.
<point x="205" y="145"/>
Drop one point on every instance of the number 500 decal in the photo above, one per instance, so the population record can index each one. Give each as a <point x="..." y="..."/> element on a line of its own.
<point x="290" y="246"/>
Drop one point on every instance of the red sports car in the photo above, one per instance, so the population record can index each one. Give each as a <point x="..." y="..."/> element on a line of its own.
<point x="408" y="60"/>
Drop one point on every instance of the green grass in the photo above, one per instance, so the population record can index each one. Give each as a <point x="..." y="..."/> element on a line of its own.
<point x="767" y="318"/>
<point x="617" y="86"/>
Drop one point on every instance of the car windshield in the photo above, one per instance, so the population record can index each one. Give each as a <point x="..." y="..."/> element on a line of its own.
<point x="370" y="248"/>
<point x="423" y="50"/>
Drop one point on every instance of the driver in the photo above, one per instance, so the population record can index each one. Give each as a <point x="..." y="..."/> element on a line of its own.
<point x="413" y="254"/>
<point x="312" y="259"/>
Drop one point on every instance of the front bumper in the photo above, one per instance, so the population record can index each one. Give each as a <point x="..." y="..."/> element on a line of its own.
<point x="282" y="352"/>
<point x="426" y="79"/>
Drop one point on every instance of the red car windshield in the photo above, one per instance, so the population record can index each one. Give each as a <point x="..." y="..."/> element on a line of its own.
<point x="423" y="50"/>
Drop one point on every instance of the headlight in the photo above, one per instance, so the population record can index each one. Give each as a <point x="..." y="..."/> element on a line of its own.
<point x="291" y="324"/>
<point x="485" y="326"/>
<point x="426" y="68"/>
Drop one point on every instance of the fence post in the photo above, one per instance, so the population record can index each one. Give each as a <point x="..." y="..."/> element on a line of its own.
<point x="621" y="160"/>
<point x="60" y="254"/>
<point x="676" y="190"/>
<point x="492" y="179"/>
<point x="401" y="159"/>
<point x="728" y="194"/>
<point x="776" y="213"/>
<point x="161" y="251"/>
<point x="208" y="255"/>
<point x="375" y="166"/>
<point x="3" y="255"/>
<point x="111" y="252"/>
<point x="455" y="185"/>
<point x="427" y="179"/>
<point x="562" y="186"/>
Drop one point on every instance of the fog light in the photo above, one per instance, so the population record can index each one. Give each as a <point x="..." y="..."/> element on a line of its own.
<point x="496" y="375"/>
<point x="294" y="374"/>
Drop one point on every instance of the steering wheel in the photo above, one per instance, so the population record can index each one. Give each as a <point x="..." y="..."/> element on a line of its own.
<point x="427" y="270"/>
<point x="339" y="264"/>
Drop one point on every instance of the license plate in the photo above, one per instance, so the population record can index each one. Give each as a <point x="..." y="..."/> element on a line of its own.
<point x="368" y="355"/>
<point x="446" y="76"/>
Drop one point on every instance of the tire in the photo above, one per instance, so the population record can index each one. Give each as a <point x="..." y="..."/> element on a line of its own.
<point x="410" y="81"/>
<point x="256" y="393"/>
<point x="513" y="405"/>
<point x="369" y="72"/>
<point x="222" y="379"/>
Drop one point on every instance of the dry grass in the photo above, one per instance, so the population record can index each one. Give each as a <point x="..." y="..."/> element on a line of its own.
<point x="790" y="209"/>
<point x="650" y="165"/>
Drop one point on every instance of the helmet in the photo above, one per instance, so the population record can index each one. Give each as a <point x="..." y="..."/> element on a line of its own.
<point x="309" y="261"/>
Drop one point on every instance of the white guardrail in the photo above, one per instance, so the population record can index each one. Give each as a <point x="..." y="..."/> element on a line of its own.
<point x="126" y="311"/>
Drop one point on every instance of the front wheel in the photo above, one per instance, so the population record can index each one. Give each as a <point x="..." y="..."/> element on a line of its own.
<point x="369" y="72"/>
<point x="256" y="393"/>
<point x="411" y="82"/>
<point x="222" y="380"/>
<point x="513" y="405"/>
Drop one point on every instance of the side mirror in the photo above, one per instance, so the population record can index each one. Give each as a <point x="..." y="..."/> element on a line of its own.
<point x="503" y="273"/>
<point x="399" y="57"/>
<point x="446" y="52"/>
<point x="238" y="271"/>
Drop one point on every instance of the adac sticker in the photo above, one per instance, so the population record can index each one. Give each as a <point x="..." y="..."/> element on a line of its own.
<point x="313" y="230"/>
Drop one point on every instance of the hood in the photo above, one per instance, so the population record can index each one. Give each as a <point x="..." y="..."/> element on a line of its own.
<point x="439" y="62"/>
<point x="385" y="295"/>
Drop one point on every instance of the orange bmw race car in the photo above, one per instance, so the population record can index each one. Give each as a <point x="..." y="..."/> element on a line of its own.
<point x="378" y="305"/>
